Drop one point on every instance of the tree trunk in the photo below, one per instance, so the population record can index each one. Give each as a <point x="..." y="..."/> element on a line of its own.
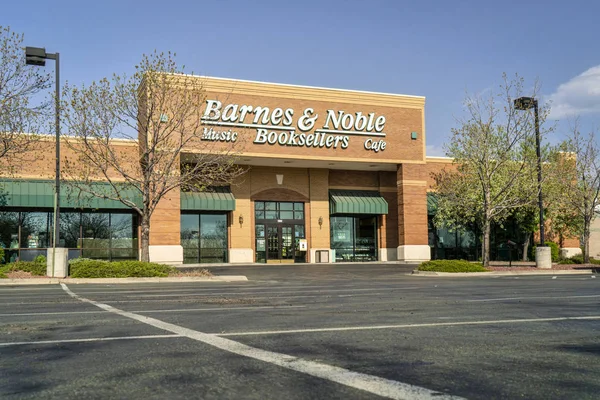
<point x="586" y="242"/>
<point x="526" y="247"/>
<point x="145" y="250"/>
<point x="485" y="243"/>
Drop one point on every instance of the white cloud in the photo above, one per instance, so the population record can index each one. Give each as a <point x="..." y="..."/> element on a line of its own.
<point x="578" y="96"/>
<point x="432" y="150"/>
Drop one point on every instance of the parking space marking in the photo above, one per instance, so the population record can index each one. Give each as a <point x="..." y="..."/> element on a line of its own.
<point x="250" y="296"/>
<point x="278" y="292"/>
<point x="206" y="289"/>
<point x="101" y="339"/>
<point x="403" y="326"/>
<point x="369" y="383"/>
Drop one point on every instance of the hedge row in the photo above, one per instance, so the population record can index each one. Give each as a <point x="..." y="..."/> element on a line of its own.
<point x="117" y="269"/>
<point x="451" y="266"/>
<point x="35" y="268"/>
<point x="578" y="259"/>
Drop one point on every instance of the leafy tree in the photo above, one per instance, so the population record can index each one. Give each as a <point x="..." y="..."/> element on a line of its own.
<point x="157" y="110"/>
<point x="581" y="182"/>
<point x="495" y="172"/>
<point x="21" y="110"/>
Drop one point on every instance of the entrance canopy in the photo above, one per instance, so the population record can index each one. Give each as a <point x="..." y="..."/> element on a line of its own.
<point x="356" y="202"/>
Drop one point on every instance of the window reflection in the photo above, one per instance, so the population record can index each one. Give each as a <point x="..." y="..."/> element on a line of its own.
<point x="204" y="238"/>
<point x="27" y="234"/>
<point x="354" y="238"/>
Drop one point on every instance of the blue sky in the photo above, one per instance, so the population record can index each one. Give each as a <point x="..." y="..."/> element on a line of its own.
<point x="438" y="49"/>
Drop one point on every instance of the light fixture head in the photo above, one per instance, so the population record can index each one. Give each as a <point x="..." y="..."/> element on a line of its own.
<point x="525" y="103"/>
<point x="35" y="56"/>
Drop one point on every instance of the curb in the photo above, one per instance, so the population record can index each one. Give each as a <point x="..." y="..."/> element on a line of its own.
<point x="504" y="273"/>
<point x="56" y="281"/>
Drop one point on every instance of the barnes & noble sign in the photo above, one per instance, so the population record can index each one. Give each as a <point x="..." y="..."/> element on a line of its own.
<point x="282" y="127"/>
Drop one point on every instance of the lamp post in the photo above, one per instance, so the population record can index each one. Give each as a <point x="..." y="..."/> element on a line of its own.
<point x="38" y="56"/>
<point x="527" y="103"/>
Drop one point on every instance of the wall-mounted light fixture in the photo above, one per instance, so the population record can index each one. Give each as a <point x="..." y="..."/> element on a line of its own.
<point x="241" y="220"/>
<point x="320" y="222"/>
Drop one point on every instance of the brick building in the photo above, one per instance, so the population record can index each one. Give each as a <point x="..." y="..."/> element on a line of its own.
<point x="333" y="176"/>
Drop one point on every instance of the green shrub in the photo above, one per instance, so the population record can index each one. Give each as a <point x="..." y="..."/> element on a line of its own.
<point x="451" y="266"/>
<point x="1" y="255"/>
<point x="26" y="266"/>
<point x="40" y="259"/>
<point x="554" y="251"/>
<point x="118" y="269"/>
<point x="83" y="259"/>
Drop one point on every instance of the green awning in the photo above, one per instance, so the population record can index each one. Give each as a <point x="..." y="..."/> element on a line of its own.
<point x="40" y="194"/>
<point x="432" y="202"/>
<point x="216" y="200"/>
<point x="356" y="202"/>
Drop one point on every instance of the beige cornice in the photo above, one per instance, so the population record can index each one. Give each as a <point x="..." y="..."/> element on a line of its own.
<point x="252" y="88"/>
<point x="382" y="189"/>
<point x="441" y="160"/>
<point x="318" y="158"/>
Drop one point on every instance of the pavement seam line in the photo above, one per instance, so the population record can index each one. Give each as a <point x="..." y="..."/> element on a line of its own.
<point x="400" y="326"/>
<point x="258" y="308"/>
<point x="533" y="298"/>
<point x="101" y="339"/>
<point x="369" y="383"/>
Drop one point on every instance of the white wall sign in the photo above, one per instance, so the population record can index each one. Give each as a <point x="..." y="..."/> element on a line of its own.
<point x="277" y="127"/>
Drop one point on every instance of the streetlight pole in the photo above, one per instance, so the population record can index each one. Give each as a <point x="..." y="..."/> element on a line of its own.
<point x="539" y="171"/>
<point x="526" y="103"/>
<point x="37" y="56"/>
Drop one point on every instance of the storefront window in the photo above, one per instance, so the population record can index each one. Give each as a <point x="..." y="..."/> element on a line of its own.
<point x="204" y="238"/>
<point x="353" y="238"/>
<point x="27" y="234"/>
<point x="95" y="230"/>
<point x="9" y="235"/>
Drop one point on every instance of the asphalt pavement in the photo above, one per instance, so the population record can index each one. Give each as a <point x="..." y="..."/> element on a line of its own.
<point x="320" y="332"/>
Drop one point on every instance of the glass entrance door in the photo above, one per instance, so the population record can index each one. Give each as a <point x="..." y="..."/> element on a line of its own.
<point x="286" y="240"/>
<point x="279" y="229"/>
<point x="273" y="247"/>
<point x="280" y="243"/>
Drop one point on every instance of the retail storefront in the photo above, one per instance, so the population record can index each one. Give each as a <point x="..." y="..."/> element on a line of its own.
<point x="331" y="176"/>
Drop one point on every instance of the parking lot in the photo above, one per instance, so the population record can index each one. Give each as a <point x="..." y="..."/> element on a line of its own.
<point x="360" y="331"/>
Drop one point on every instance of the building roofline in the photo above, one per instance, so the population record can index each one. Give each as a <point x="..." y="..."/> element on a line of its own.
<point x="288" y="85"/>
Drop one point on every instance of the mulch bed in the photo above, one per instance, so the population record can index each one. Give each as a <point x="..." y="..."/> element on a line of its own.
<point x="555" y="267"/>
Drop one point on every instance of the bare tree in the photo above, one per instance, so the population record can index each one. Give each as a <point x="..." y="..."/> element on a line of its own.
<point x="141" y="134"/>
<point x="494" y="152"/>
<point x="21" y="107"/>
<point x="581" y="182"/>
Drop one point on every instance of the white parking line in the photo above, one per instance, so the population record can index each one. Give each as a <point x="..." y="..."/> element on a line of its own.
<point x="324" y="291"/>
<point x="369" y="383"/>
<point x="102" y="339"/>
<point x="535" y="297"/>
<point x="156" y="311"/>
<point x="404" y="326"/>
<point x="243" y="286"/>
